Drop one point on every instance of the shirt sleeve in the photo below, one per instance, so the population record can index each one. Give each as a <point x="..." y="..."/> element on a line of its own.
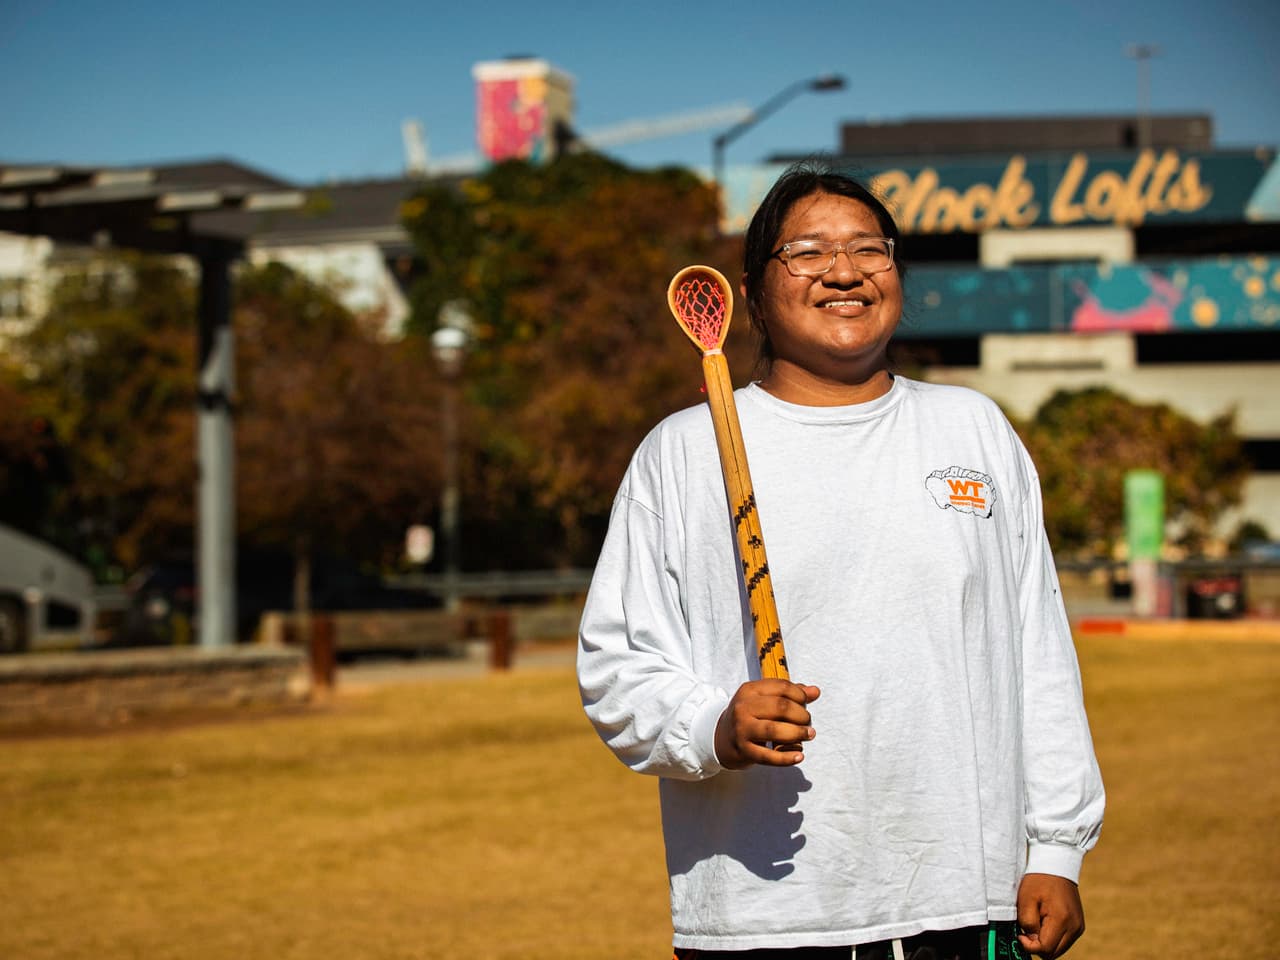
<point x="1064" y="792"/>
<point x="635" y="674"/>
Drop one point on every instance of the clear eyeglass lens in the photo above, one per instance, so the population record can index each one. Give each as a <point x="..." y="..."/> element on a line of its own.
<point x="816" y="257"/>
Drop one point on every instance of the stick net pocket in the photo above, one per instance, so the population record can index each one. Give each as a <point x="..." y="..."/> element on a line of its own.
<point x="700" y="303"/>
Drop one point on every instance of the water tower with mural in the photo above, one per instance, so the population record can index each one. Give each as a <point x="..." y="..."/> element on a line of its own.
<point x="521" y="103"/>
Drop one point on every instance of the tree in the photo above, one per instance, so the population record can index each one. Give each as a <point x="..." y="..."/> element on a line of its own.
<point x="111" y="373"/>
<point x="335" y="430"/>
<point x="1084" y="441"/>
<point x="575" y="355"/>
<point x="30" y="460"/>
<point x="337" y="438"/>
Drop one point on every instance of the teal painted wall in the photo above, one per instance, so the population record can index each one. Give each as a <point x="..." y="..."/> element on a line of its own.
<point x="1017" y="191"/>
<point x="1224" y="293"/>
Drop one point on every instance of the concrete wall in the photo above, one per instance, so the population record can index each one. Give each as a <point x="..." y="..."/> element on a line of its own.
<point x="356" y="272"/>
<point x="1023" y="370"/>
<point x="108" y="687"/>
<point x="23" y="284"/>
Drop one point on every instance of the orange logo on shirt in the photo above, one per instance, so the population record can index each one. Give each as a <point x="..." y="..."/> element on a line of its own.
<point x="963" y="490"/>
<point x="968" y="493"/>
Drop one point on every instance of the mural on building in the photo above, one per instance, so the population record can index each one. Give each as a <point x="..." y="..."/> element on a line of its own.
<point x="519" y="103"/>
<point x="512" y="117"/>
<point x="1221" y="294"/>
<point x="1225" y="293"/>
<point x="1101" y="307"/>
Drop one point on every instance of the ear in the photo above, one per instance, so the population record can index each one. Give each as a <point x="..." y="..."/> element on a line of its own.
<point x="742" y="287"/>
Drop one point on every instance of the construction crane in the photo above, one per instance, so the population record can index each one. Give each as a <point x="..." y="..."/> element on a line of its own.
<point x="419" y="163"/>
<point x="633" y="131"/>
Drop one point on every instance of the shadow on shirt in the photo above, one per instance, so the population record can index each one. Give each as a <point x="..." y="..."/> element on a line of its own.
<point x="746" y="815"/>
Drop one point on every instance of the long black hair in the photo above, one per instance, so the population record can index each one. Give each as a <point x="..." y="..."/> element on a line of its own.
<point x="797" y="182"/>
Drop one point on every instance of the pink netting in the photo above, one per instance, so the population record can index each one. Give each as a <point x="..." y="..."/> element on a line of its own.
<point x="700" y="308"/>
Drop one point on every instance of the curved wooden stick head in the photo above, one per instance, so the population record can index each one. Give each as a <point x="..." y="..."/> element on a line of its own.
<point x="702" y="302"/>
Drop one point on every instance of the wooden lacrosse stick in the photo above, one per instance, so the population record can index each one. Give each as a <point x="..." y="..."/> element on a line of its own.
<point x="702" y="303"/>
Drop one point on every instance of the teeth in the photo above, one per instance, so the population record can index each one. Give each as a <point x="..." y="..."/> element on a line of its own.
<point x="846" y="303"/>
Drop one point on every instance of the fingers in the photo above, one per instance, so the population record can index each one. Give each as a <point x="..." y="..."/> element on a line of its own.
<point x="1028" y="919"/>
<point x="765" y="722"/>
<point x="1049" y="943"/>
<point x="784" y="755"/>
<point x="1050" y="914"/>
<point x="796" y="692"/>
<point x="1054" y="939"/>
<point x="743" y="739"/>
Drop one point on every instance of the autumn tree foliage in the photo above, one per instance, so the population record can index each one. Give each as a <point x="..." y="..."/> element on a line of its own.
<point x="109" y="370"/>
<point x="337" y="436"/>
<point x="1083" y="442"/>
<point x="30" y="459"/>
<point x="575" y="354"/>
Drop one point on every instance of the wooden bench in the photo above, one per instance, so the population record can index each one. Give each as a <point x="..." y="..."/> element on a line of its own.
<point x="419" y="632"/>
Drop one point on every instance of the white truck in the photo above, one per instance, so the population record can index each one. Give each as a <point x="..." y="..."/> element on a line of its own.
<point x="36" y="578"/>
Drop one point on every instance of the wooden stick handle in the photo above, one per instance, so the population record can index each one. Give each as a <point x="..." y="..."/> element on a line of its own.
<point x="742" y="501"/>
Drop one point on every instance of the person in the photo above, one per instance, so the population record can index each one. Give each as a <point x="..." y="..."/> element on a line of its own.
<point x="945" y="788"/>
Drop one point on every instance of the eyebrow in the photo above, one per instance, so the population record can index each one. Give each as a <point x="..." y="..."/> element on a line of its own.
<point x="814" y="235"/>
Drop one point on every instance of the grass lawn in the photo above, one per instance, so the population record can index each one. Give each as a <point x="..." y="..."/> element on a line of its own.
<point x="481" y="818"/>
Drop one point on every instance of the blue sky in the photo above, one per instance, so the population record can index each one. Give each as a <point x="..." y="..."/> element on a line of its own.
<point x="318" y="91"/>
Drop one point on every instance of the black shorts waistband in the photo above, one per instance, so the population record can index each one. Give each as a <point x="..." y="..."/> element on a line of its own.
<point x="993" y="941"/>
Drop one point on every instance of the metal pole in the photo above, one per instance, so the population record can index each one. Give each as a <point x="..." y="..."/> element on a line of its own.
<point x="1144" y="103"/>
<point x="722" y="140"/>
<point x="717" y="161"/>
<point x="449" y="343"/>
<point x="449" y="495"/>
<point x="215" y="455"/>
<point x="1142" y="53"/>
<point x="827" y="81"/>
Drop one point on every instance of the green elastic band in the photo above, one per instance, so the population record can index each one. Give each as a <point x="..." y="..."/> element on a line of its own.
<point x="991" y="942"/>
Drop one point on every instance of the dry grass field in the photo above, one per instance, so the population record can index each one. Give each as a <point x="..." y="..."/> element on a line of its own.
<point x="481" y="818"/>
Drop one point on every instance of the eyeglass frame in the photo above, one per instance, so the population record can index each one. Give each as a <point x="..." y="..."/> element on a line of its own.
<point x="838" y="248"/>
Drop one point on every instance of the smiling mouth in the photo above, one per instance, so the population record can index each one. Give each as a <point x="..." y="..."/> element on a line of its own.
<point x="836" y="304"/>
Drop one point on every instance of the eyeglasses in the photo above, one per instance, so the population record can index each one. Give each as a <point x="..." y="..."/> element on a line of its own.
<point x="813" y="258"/>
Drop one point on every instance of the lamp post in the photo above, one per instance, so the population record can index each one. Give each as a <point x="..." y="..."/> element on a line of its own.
<point x="1142" y="53"/>
<point x="449" y="343"/>
<point x="821" y="84"/>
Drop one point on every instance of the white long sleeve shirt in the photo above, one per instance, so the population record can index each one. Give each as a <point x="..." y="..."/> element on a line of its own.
<point x="916" y="588"/>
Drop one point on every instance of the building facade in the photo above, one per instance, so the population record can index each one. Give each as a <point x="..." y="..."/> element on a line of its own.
<point x="1061" y="253"/>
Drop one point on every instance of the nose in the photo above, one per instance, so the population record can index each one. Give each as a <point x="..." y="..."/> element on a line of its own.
<point x="843" y="270"/>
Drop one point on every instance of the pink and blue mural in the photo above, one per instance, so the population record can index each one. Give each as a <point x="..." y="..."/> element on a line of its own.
<point x="1213" y="294"/>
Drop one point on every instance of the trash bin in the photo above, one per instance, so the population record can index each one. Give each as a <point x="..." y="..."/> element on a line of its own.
<point x="1119" y="585"/>
<point x="1219" y="597"/>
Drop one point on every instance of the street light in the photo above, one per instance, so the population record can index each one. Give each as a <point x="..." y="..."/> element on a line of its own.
<point x="828" y="81"/>
<point x="1142" y="53"/>
<point x="449" y="343"/>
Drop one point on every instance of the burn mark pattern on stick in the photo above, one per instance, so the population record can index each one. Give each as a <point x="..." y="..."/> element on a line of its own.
<point x="766" y="648"/>
<point x="754" y="580"/>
